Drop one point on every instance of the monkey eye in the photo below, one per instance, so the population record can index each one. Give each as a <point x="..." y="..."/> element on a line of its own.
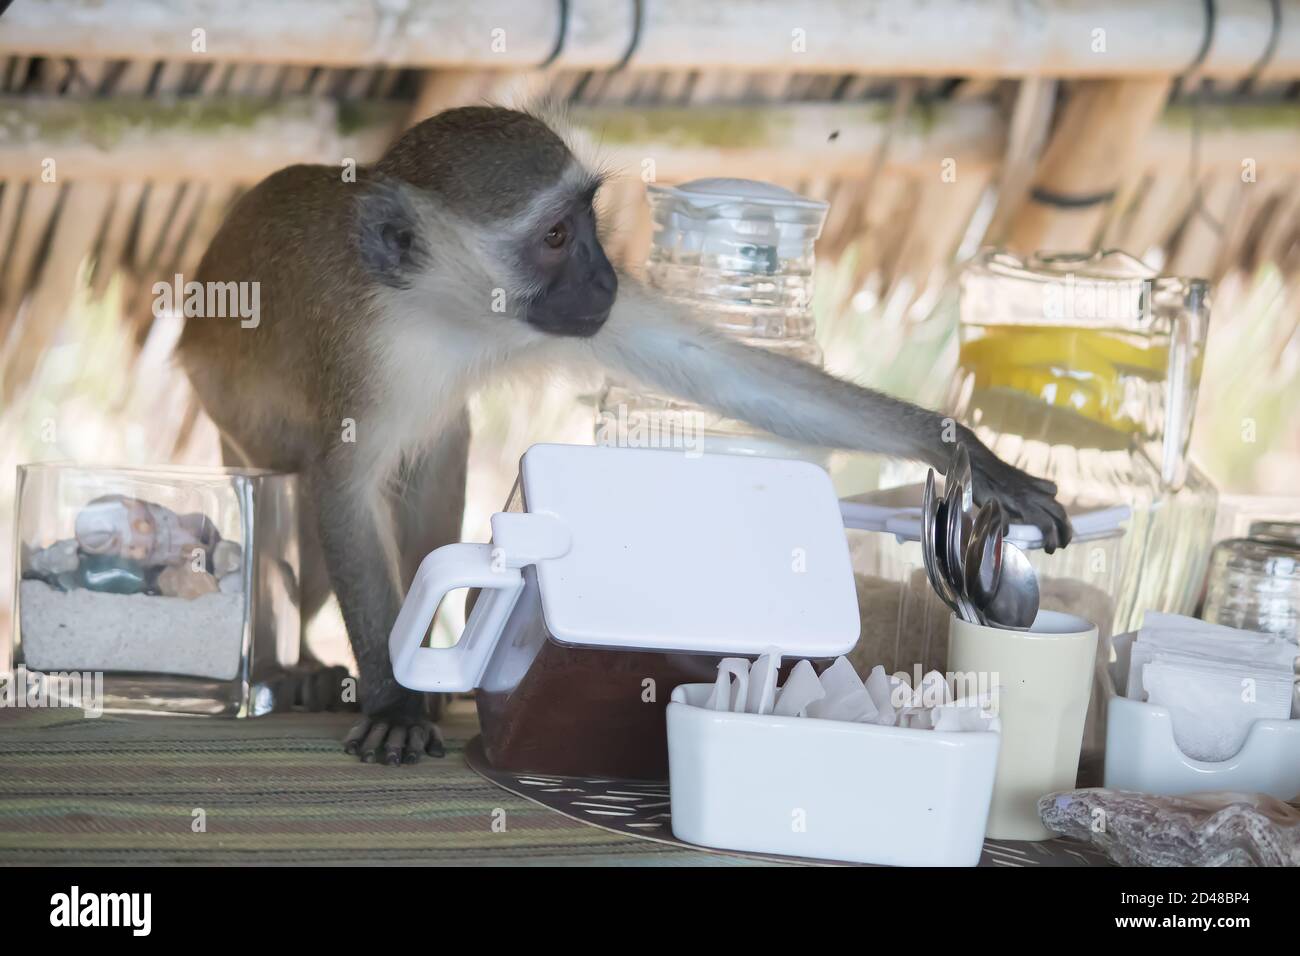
<point x="557" y="235"/>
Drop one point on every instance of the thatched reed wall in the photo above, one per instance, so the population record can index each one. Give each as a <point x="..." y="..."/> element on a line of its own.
<point x="1186" y="132"/>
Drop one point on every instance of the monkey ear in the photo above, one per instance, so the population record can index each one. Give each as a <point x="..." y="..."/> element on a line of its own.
<point x="388" y="231"/>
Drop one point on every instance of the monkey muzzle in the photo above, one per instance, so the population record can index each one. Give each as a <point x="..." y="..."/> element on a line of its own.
<point x="577" y="303"/>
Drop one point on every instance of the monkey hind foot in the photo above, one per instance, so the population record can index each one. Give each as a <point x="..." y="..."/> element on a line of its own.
<point x="395" y="736"/>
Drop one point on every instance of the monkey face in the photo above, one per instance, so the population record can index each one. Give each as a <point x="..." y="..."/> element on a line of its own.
<point x="577" y="284"/>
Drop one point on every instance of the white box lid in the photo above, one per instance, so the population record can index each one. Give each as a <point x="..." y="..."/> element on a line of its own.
<point x="715" y="554"/>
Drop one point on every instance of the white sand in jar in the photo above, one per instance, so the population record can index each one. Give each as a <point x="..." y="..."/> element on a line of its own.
<point x="92" y="630"/>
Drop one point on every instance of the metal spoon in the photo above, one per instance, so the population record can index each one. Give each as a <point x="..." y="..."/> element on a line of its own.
<point x="928" y="554"/>
<point x="958" y="531"/>
<point x="935" y="520"/>
<point x="984" y="555"/>
<point x="1015" y="602"/>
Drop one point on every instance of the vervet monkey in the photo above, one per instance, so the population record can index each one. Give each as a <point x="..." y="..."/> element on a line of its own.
<point x="468" y="251"/>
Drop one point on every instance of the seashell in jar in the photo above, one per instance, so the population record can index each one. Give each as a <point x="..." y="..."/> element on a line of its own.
<point x="142" y="531"/>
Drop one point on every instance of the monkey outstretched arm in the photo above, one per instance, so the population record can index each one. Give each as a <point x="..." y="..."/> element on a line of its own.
<point x="652" y="341"/>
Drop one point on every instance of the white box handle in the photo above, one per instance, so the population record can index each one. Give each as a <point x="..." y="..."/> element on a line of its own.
<point x="460" y="667"/>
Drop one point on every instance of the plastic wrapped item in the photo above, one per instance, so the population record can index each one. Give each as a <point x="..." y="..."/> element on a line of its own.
<point x="179" y="585"/>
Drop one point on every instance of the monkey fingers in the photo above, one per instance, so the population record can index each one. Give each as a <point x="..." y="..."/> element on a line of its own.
<point x="396" y="742"/>
<point x="1024" y="498"/>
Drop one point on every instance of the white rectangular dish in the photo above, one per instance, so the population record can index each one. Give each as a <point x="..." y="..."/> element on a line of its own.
<point x="827" y="789"/>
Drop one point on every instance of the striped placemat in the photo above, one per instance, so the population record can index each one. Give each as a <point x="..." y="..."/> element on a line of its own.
<point x="275" y="790"/>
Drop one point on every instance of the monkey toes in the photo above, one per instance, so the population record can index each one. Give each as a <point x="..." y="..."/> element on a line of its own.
<point x="395" y="742"/>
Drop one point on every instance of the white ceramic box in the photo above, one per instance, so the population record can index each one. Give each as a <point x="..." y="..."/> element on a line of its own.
<point x="826" y="789"/>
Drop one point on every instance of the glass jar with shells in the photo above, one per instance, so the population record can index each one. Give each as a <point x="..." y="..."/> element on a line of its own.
<point x="177" y="587"/>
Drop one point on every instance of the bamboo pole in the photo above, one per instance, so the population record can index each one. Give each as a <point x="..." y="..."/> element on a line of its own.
<point x="1095" y="140"/>
<point x="940" y="38"/>
<point x="222" y="139"/>
<point x="233" y="139"/>
<point x="1267" y="132"/>
<point x="784" y="142"/>
<point x="1031" y="119"/>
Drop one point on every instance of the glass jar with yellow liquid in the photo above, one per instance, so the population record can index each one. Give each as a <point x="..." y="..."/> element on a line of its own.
<point x="1084" y="370"/>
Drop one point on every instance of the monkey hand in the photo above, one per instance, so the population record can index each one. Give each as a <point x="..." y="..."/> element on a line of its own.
<point x="1024" y="498"/>
<point x="395" y="728"/>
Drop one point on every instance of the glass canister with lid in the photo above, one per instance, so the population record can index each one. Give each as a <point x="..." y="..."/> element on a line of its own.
<point x="1084" y="369"/>
<point x="740" y="253"/>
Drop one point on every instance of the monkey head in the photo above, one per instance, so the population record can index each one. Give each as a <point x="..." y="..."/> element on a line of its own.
<point x="502" y="191"/>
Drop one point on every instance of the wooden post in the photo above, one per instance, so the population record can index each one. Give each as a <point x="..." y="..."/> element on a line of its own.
<point x="1098" y="134"/>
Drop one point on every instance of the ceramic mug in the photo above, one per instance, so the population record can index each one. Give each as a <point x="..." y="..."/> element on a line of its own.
<point x="1042" y="677"/>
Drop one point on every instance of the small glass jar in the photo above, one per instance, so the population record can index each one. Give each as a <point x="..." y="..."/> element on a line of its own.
<point x="1254" y="583"/>
<point x="740" y="254"/>
<point x="179" y="586"/>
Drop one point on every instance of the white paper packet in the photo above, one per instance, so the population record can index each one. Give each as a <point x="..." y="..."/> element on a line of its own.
<point x="729" y="694"/>
<point x="801" y="688"/>
<point x="1212" y="708"/>
<point x="1173" y="637"/>
<point x="846" y="697"/>
<point x="878" y="688"/>
<point x="762" y="683"/>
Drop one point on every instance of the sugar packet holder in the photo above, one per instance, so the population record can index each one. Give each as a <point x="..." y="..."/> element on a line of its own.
<point x="1143" y="752"/>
